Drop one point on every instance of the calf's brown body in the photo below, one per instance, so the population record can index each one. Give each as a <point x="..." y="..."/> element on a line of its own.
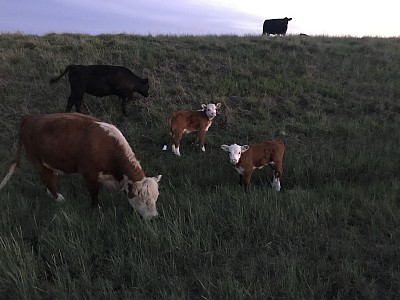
<point x="259" y="155"/>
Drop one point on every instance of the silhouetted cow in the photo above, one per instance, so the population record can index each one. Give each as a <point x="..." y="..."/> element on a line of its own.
<point x="102" y="80"/>
<point x="276" y="26"/>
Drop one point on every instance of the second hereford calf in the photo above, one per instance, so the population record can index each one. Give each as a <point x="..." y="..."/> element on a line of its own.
<point x="249" y="157"/>
<point x="181" y="122"/>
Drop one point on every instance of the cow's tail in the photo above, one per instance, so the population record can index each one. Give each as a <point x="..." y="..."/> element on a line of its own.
<point x="14" y="164"/>
<point x="52" y="80"/>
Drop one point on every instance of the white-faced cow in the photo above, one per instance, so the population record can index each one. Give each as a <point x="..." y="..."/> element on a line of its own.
<point x="249" y="157"/>
<point x="102" y="80"/>
<point x="76" y="143"/>
<point x="276" y="26"/>
<point x="181" y="122"/>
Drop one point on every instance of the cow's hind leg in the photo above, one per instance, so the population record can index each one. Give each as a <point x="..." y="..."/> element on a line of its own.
<point x="75" y="99"/>
<point x="70" y="103"/>
<point x="277" y="172"/>
<point x="124" y="101"/>
<point x="49" y="180"/>
<point x="176" y="138"/>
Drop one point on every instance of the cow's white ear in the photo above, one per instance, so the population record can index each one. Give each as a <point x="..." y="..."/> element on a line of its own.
<point x="157" y="178"/>
<point x="218" y="105"/>
<point x="203" y="106"/>
<point x="245" y="148"/>
<point x="225" y="148"/>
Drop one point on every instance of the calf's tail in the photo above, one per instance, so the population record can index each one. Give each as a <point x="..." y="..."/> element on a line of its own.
<point x="14" y="164"/>
<point x="52" y="80"/>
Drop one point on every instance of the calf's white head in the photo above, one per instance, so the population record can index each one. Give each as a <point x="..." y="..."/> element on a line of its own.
<point x="211" y="109"/>
<point x="235" y="151"/>
<point x="142" y="196"/>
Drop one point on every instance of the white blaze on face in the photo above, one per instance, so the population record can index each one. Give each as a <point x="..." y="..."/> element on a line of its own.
<point x="211" y="109"/>
<point x="235" y="151"/>
<point x="146" y="194"/>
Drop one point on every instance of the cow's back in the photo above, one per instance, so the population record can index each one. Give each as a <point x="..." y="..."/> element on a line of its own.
<point x="261" y="153"/>
<point x="103" y="80"/>
<point x="189" y="120"/>
<point x="56" y="140"/>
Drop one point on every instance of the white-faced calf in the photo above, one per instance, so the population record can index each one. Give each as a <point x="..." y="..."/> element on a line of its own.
<point x="249" y="157"/>
<point x="181" y="122"/>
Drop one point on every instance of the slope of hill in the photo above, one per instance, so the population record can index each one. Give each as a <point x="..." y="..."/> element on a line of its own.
<point x="333" y="232"/>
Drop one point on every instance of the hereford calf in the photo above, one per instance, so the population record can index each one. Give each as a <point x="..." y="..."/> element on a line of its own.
<point x="181" y="122"/>
<point x="249" y="157"/>
<point x="76" y="143"/>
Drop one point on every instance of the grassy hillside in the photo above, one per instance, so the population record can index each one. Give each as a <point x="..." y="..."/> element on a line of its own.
<point x="333" y="231"/>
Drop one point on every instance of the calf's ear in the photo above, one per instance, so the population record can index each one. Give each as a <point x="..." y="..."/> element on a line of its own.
<point x="245" y="148"/>
<point x="218" y="105"/>
<point x="225" y="148"/>
<point x="203" y="106"/>
<point x="157" y="178"/>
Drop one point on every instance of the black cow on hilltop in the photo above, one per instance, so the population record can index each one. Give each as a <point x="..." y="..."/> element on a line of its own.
<point x="276" y="26"/>
<point x="102" y="80"/>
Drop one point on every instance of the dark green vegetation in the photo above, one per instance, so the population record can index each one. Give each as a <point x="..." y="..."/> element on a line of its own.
<point x="333" y="232"/>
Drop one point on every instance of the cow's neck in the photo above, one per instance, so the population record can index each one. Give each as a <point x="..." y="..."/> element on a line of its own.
<point x="133" y="171"/>
<point x="136" y="173"/>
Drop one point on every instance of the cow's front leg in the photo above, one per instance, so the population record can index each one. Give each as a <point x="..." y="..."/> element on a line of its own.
<point x="93" y="185"/>
<point x="49" y="179"/>
<point x="201" y="134"/>
<point x="241" y="182"/>
<point x="246" y="177"/>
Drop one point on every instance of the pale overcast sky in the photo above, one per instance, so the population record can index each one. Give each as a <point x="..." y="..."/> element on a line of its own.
<point x="198" y="17"/>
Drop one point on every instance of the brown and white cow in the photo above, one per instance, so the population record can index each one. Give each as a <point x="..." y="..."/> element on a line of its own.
<point x="181" y="122"/>
<point x="77" y="143"/>
<point x="249" y="157"/>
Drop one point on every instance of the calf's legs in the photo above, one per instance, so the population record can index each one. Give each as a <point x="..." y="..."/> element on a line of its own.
<point x="277" y="172"/>
<point x="175" y="141"/>
<point x="201" y="135"/>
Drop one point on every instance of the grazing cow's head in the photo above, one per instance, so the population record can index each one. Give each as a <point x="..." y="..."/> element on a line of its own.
<point x="143" y="87"/>
<point x="235" y="151"/>
<point x="142" y="196"/>
<point x="211" y="109"/>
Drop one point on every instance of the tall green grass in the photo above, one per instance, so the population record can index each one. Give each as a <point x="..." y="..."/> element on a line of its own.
<point x="332" y="233"/>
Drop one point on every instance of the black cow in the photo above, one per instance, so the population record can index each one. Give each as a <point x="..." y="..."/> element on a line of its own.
<point x="276" y="26"/>
<point x="102" y="80"/>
